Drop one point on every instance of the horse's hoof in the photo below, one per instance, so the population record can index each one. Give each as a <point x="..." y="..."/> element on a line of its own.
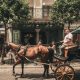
<point x="22" y="76"/>
<point x="3" y="62"/>
<point x="16" y="78"/>
<point x="14" y="74"/>
<point x="45" y="75"/>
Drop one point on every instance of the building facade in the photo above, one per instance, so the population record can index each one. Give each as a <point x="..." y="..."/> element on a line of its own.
<point x="40" y="28"/>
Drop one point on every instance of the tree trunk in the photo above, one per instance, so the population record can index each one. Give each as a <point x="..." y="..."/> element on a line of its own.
<point x="2" y="55"/>
<point x="5" y="40"/>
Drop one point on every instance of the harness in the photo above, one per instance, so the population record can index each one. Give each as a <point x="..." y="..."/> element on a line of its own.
<point x="18" y="49"/>
<point x="48" y="62"/>
<point x="25" y="49"/>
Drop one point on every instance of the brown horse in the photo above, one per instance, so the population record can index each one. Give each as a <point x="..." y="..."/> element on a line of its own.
<point x="31" y="53"/>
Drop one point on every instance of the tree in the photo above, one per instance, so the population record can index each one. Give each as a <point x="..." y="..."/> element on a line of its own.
<point x="66" y="11"/>
<point x="13" y="11"/>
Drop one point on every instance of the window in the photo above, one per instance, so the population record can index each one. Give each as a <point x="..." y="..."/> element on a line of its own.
<point x="31" y="12"/>
<point x="46" y="11"/>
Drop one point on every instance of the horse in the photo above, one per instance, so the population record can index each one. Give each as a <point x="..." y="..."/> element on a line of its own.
<point x="46" y="54"/>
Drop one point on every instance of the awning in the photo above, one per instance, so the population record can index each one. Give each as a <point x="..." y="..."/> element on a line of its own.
<point x="77" y="31"/>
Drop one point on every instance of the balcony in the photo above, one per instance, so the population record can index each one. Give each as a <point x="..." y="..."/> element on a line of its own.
<point x="40" y="13"/>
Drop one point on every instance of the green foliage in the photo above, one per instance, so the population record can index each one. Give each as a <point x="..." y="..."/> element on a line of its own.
<point x="66" y="11"/>
<point x="13" y="11"/>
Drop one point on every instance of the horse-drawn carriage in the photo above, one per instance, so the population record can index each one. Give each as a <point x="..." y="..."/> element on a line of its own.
<point x="47" y="58"/>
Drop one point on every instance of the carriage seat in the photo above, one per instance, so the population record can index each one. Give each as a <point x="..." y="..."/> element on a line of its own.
<point x="71" y="46"/>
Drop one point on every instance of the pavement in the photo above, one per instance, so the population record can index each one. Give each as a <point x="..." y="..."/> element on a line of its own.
<point x="8" y="64"/>
<point x="32" y="71"/>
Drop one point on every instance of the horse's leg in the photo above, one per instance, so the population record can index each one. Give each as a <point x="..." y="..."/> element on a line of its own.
<point x="16" y="63"/>
<point x="2" y="55"/>
<point x="22" y="66"/>
<point x="46" y="71"/>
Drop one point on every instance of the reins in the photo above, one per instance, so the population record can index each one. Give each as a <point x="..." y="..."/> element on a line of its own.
<point x="18" y="48"/>
<point x="36" y="62"/>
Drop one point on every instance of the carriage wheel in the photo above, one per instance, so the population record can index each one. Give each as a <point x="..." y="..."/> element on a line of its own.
<point x="64" y="72"/>
<point x="55" y="64"/>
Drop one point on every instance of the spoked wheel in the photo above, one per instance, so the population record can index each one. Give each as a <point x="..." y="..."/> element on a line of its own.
<point x="64" y="72"/>
<point x="53" y="67"/>
<point x="55" y="64"/>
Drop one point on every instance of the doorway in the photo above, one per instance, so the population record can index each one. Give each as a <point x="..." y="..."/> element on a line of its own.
<point x="42" y="37"/>
<point x="28" y="38"/>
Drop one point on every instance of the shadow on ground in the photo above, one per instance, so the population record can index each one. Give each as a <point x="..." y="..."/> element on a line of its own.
<point x="39" y="76"/>
<point x="34" y="76"/>
<point x="77" y="75"/>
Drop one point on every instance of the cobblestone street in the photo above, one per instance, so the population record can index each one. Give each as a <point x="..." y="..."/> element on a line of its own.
<point x="32" y="72"/>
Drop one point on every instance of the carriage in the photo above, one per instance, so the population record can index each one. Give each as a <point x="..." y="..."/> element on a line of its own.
<point x="58" y="64"/>
<point x="64" y="71"/>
